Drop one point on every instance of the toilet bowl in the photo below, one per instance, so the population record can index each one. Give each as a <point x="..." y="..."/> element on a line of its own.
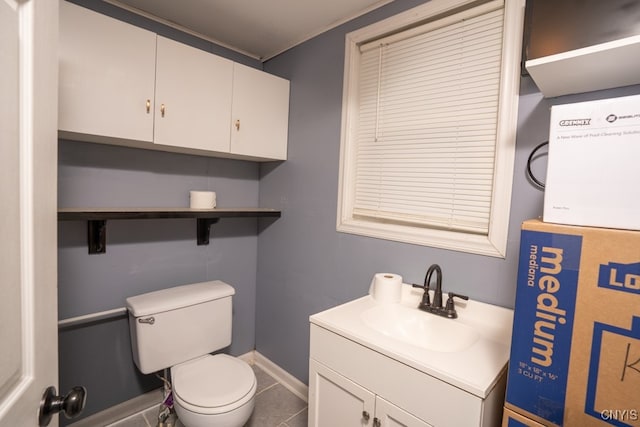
<point x="178" y="328"/>
<point x="213" y="391"/>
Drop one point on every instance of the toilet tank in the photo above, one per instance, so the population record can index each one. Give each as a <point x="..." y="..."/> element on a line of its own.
<point x="178" y="324"/>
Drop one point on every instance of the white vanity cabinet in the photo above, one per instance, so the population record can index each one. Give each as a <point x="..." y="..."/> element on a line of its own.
<point x="120" y="84"/>
<point x="106" y="76"/>
<point x="338" y="401"/>
<point x="363" y="374"/>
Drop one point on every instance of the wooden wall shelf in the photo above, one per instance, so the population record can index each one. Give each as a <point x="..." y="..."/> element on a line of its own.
<point x="97" y="219"/>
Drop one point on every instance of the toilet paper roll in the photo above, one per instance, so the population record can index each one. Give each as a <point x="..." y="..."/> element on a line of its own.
<point x="386" y="288"/>
<point x="202" y="199"/>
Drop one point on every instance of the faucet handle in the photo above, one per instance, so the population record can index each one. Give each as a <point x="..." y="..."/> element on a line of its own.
<point x="426" y="300"/>
<point x="450" y="306"/>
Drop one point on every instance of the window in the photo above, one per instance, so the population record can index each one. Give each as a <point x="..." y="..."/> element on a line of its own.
<point x="429" y="124"/>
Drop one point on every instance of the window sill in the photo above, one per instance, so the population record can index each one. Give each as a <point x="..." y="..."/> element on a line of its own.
<point x="456" y="241"/>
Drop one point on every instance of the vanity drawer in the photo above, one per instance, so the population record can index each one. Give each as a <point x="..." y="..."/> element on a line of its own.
<point x="428" y="398"/>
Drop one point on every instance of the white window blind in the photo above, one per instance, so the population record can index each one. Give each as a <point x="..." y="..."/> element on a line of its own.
<point x="427" y="122"/>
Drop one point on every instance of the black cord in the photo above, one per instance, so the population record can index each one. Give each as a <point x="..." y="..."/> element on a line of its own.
<point x="529" y="173"/>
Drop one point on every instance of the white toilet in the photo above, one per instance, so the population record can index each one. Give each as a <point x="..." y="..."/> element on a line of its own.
<point x="177" y="328"/>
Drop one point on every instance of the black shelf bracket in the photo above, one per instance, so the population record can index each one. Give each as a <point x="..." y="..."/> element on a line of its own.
<point x="204" y="229"/>
<point x="97" y="236"/>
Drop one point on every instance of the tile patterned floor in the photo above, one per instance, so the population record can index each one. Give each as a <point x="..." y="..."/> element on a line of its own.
<point x="275" y="407"/>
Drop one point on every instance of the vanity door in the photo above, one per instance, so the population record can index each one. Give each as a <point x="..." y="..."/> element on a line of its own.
<point x="336" y="401"/>
<point x="389" y="415"/>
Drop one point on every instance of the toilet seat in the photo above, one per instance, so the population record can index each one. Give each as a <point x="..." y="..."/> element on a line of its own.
<point x="213" y="384"/>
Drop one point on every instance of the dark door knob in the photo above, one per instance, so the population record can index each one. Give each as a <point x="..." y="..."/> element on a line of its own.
<point x="71" y="405"/>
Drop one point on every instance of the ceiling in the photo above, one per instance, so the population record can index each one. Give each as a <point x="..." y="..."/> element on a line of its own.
<point x="257" y="28"/>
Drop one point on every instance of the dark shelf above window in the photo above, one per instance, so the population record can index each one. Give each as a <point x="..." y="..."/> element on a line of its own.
<point x="97" y="219"/>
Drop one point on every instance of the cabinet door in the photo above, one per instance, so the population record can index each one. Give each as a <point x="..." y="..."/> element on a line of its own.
<point x="336" y="401"/>
<point x="260" y="114"/>
<point x="106" y="75"/>
<point x="389" y="415"/>
<point x="193" y="97"/>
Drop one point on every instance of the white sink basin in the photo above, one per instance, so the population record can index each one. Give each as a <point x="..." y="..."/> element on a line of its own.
<point x="420" y="329"/>
<point x="469" y="352"/>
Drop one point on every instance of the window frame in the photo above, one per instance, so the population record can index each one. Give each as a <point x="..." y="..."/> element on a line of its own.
<point x="495" y="242"/>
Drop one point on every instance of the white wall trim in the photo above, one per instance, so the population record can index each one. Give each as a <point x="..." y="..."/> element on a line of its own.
<point x="293" y="43"/>
<point x="290" y="382"/>
<point x="326" y="28"/>
<point x="248" y="357"/>
<point x="179" y="27"/>
<point x="123" y="410"/>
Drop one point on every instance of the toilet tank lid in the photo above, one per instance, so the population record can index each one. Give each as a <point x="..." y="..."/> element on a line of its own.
<point x="178" y="297"/>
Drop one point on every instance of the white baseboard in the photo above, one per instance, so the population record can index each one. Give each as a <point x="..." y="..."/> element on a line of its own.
<point x="123" y="410"/>
<point x="249" y="357"/>
<point x="290" y="382"/>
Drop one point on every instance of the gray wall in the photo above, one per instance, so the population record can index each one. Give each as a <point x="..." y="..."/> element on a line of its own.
<point x="304" y="265"/>
<point x="145" y="255"/>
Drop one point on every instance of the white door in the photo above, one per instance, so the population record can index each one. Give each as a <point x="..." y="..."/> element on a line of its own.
<point x="28" y="163"/>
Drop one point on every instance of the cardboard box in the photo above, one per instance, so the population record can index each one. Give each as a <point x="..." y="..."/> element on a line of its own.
<point x="575" y="352"/>
<point x="513" y="419"/>
<point x="593" y="163"/>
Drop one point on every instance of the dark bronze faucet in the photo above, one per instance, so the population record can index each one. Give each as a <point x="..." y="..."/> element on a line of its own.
<point x="436" y="307"/>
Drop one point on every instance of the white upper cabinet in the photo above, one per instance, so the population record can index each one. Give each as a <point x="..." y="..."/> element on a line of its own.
<point x="193" y="95"/>
<point x="120" y="84"/>
<point x="106" y="70"/>
<point x="260" y="113"/>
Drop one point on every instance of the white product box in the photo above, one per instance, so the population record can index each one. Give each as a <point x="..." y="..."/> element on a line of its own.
<point x="593" y="172"/>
